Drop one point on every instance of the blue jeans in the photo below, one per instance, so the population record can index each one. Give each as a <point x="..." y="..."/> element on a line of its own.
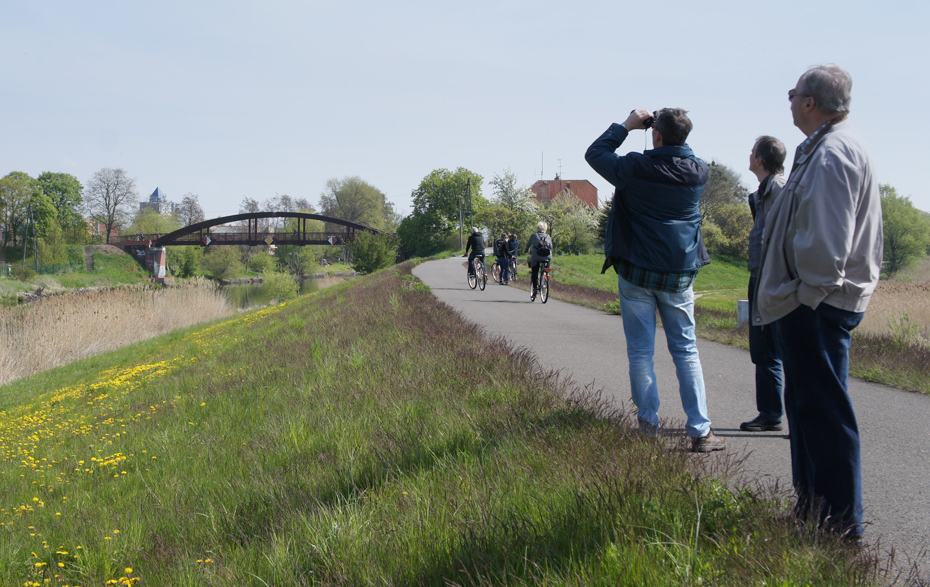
<point x="826" y="463"/>
<point x="638" y="310"/>
<point x="764" y="355"/>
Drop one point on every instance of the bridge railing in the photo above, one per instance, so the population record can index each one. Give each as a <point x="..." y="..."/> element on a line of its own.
<point x="277" y="238"/>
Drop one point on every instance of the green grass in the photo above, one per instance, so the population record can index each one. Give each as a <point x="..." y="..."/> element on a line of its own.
<point x="359" y="436"/>
<point x="109" y="270"/>
<point x="719" y="284"/>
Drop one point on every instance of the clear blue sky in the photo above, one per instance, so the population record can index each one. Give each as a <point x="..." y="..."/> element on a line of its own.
<point x="228" y="99"/>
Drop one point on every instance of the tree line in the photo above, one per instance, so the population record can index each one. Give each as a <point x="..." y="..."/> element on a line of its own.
<point x="49" y="211"/>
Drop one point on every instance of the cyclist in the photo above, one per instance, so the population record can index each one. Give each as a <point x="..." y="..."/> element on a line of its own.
<point x="476" y="246"/>
<point x="502" y="252"/>
<point x="512" y="253"/>
<point x="540" y="248"/>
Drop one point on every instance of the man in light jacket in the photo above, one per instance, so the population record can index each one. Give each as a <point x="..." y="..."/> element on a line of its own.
<point x="767" y="162"/>
<point x="822" y="253"/>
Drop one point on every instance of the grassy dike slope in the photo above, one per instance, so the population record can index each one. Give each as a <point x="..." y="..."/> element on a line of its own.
<point x="363" y="435"/>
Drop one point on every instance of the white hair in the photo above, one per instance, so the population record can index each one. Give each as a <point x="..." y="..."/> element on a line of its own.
<point x="541" y="226"/>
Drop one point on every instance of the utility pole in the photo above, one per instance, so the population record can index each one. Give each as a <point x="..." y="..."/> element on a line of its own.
<point x="471" y="213"/>
<point x="35" y="249"/>
<point x="25" y="237"/>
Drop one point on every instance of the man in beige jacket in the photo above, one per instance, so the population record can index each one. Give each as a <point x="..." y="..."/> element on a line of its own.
<point x="822" y="253"/>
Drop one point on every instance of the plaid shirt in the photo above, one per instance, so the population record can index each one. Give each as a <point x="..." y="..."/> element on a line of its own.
<point x="655" y="280"/>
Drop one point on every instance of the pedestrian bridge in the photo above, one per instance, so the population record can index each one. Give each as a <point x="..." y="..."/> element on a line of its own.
<point x="252" y="233"/>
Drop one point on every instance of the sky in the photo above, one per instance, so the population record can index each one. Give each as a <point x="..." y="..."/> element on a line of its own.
<point x="233" y="99"/>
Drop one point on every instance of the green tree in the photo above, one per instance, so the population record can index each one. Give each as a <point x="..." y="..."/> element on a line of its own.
<point x="436" y="205"/>
<point x="723" y="186"/>
<point x="52" y="247"/>
<point x="907" y="233"/>
<point x="111" y="198"/>
<point x="298" y="261"/>
<point x="221" y="262"/>
<point x="67" y="195"/>
<point x="183" y="261"/>
<point x="371" y="252"/>
<point x="516" y="209"/>
<point x="16" y="191"/>
<point x="734" y="221"/>
<point x="353" y="199"/>
<point x="259" y="260"/>
<point x="572" y="224"/>
<point x="602" y="215"/>
<point x="150" y="221"/>
<point x="724" y="204"/>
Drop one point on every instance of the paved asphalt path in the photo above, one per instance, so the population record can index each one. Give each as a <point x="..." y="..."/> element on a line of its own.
<point x="589" y="346"/>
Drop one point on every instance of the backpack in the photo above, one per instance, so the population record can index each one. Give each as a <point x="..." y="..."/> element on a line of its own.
<point x="500" y="248"/>
<point x="544" y="248"/>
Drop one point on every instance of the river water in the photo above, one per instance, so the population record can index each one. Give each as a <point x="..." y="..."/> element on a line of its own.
<point x="251" y="295"/>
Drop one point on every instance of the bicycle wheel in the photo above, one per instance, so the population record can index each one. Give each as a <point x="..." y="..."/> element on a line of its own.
<point x="496" y="272"/>
<point x="473" y="278"/>
<point x="513" y="270"/>
<point x="544" y="287"/>
<point x="482" y="277"/>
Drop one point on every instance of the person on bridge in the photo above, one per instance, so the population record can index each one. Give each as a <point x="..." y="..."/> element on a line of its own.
<point x="475" y="244"/>
<point x="821" y="259"/>
<point x="654" y="242"/>
<point x="538" y="254"/>
<point x="767" y="162"/>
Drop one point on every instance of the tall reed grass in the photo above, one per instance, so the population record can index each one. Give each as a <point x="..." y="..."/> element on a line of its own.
<point x="899" y="309"/>
<point x="57" y="330"/>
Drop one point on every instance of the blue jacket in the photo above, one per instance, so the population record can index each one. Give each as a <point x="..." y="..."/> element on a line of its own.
<point x="655" y="222"/>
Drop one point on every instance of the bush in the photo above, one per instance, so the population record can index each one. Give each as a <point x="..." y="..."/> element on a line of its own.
<point x="23" y="273"/>
<point x="222" y="262"/>
<point x="279" y="286"/>
<point x="371" y="252"/>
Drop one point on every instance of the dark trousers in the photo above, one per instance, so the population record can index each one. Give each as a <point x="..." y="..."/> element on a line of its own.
<point x="534" y="275"/>
<point x="504" y="264"/>
<point x="764" y="355"/>
<point x="826" y="462"/>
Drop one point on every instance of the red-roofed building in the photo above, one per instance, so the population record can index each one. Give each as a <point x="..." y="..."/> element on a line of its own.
<point x="546" y="190"/>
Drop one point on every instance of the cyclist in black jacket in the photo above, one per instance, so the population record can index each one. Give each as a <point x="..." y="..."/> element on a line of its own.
<point x="476" y="246"/>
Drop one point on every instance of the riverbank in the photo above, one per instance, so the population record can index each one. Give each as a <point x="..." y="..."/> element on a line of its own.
<point x="359" y="436"/>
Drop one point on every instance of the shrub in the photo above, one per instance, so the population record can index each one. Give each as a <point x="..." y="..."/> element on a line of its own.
<point x="222" y="262"/>
<point x="23" y="273"/>
<point x="279" y="286"/>
<point x="371" y="252"/>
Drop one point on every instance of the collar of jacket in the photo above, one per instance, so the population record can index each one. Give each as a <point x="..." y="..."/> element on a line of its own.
<point x="765" y="188"/>
<point x="807" y="148"/>
<point x="683" y="151"/>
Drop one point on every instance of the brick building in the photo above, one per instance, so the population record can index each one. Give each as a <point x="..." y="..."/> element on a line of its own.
<point x="547" y="189"/>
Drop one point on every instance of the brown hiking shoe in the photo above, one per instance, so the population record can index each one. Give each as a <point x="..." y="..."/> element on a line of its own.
<point x="708" y="443"/>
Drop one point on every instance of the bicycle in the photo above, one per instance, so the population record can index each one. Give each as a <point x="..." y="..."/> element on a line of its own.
<point x="542" y="283"/>
<point x="479" y="277"/>
<point x="513" y="268"/>
<point x="496" y="272"/>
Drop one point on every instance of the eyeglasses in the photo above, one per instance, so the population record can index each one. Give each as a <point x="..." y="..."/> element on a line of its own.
<point x="792" y="95"/>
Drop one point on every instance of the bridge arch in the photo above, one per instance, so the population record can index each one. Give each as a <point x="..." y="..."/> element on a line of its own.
<point x="152" y="246"/>
<point x="254" y="235"/>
